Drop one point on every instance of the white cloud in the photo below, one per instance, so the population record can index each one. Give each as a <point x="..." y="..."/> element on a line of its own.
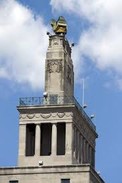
<point x="23" y="44"/>
<point x="102" y="41"/>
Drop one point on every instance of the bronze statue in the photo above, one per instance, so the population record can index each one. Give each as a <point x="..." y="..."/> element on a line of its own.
<point x="59" y="26"/>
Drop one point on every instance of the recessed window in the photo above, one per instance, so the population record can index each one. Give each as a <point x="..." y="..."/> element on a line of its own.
<point x="46" y="140"/>
<point x="30" y="139"/>
<point x="13" y="181"/>
<point x="61" y="128"/>
<point x="65" y="180"/>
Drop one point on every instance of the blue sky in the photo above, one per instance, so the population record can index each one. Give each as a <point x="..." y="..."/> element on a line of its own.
<point x="96" y="29"/>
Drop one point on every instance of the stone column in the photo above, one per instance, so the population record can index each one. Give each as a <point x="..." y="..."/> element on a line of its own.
<point x="68" y="138"/>
<point x="78" y="134"/>
<point x="87" y="152"/>
<point x="90" y="152"/>
<point x="74" y="141"/>
<point x="22" y="144"/>
<point x="92" y="157"/>
<point x="80" y="147"/>
<point x="37" y="140"/>
<point x="54" y="139"/>
<point x="84" y="151"/>
<point x="77" y="145"/>
<point x="22" y="140"/>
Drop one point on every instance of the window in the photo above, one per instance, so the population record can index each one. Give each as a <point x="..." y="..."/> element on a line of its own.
<point x="46" y="140"/>
<point x="30" y="139"/>
<point x="65" y="180"/>
<point x="61" y="138"/>
<point x="13" y="181"/>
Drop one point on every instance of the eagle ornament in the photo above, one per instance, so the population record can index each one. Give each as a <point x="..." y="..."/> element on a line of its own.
<point x="59" y="26"/>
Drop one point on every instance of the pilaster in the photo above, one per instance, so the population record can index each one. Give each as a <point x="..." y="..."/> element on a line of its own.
<point x="38" y="140"/>
<point x="22" y="144"/>
<point x="22" y="140"/>
<point x="69" y="138"/>
<point x="54" y="139"/>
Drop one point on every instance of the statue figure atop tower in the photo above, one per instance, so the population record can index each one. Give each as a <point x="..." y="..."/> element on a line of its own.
<point x="59" y="26"/>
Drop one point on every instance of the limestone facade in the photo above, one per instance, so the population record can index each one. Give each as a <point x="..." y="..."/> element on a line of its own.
<point x="57" y="139"/>
<point x="59" y="75"/>
<point x="79" y="140"/>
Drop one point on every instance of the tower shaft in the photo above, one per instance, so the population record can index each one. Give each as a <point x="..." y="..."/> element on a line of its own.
<point x="59" y="75"/>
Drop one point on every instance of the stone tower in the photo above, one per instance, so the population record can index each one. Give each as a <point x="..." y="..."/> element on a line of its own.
<point x="59" y="80"/>
<point x="56" y="136"/>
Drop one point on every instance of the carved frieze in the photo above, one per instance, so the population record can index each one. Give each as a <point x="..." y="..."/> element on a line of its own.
<point x="60" y="115"/>
<point x="37" y="116"/>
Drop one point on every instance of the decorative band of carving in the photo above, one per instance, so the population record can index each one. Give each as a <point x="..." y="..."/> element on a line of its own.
<point x="45" y="116"/>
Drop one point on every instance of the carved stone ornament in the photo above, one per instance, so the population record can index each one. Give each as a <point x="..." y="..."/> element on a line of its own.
<point x="55" y="43"/>
<point x="30" y="116"/>
<point x="60" y="115"/>
<point x="23" y="116"/>
<point x="45" y="116"/>
<point x="54" y="66"/>
<point x="37" y="115"/>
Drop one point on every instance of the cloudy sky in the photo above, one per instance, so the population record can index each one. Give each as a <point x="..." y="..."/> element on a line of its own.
<point x="96" y="29"/>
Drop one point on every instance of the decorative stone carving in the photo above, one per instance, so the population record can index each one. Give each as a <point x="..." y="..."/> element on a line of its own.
<point x="30" y="116"/>
<point x="60" y="115"/>
<point x="54" y="66"/>
<point x="49" y="55"/>
<point x="45" y="115"/>
<point x="23" y="116"/>
<point x="54" y="115"/>
<point x="69" y="114"/>
<point x="37" y="115"/>
<point x="55" y="43"/>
